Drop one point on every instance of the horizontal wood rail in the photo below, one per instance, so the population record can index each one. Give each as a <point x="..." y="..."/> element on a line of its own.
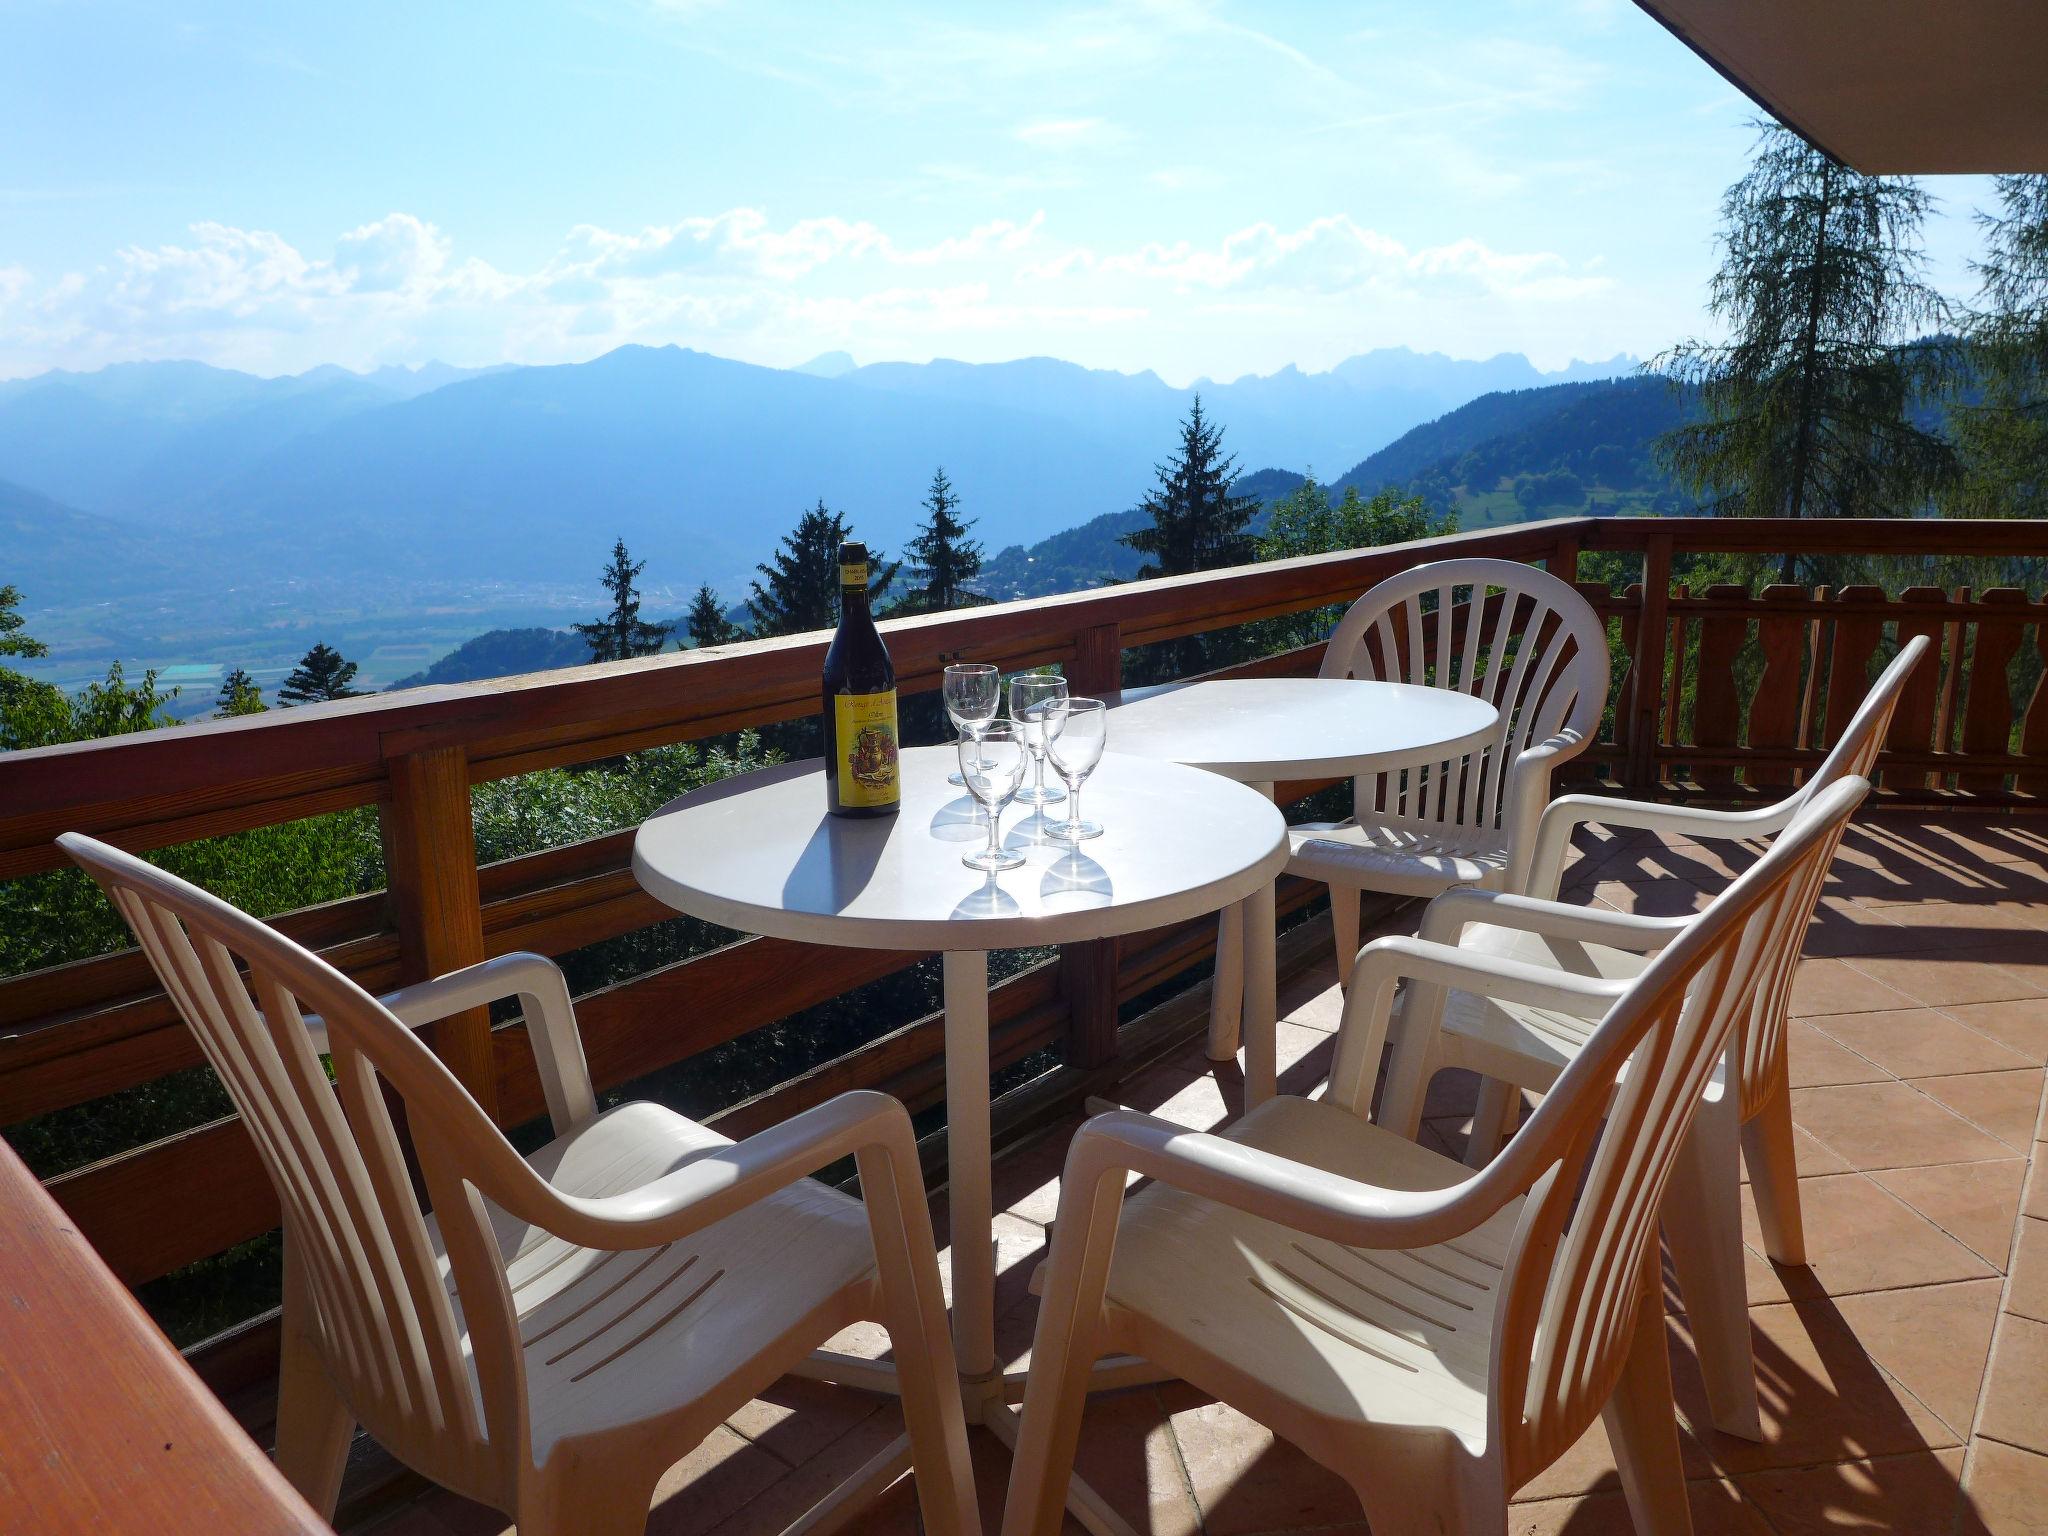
<point x="1737" y="698"/>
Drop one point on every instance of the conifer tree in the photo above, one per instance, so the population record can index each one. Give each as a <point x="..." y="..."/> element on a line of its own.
<point x="239" y="695"/>
<point x="1808" y="404"/>
<point x="322" y="674"/>
<point x="1197" y="524"/>
<point x="12" y="641"/>
<point x="800" y="586"/>
<point x="707" y="622"/>
<point x="2003" y="438"/>
<point x="622" y="632"/>
<point x="941" y="558"/>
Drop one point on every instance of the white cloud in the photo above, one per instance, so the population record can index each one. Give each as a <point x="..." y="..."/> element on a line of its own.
<point x="745" y="284"/>
<point x="1068" y="133"/>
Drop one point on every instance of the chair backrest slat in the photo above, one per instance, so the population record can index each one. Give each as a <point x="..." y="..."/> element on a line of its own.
<point x="1541" y="661"/>
<point x="382" y="1312"/>
<point x="1615" y="1122"/>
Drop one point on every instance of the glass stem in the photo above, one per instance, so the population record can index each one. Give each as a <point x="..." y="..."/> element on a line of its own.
<point x="1074" y="807"/>
<point x="1038" y="774"/>
<point x="995" y="820"/>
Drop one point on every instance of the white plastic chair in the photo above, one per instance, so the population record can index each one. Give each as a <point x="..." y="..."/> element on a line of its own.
<point x="563" y="1328"/>
<point x="1434" y="1336"/>
<point x="1528" y="644"/>
<point x="1520" y="1047"/>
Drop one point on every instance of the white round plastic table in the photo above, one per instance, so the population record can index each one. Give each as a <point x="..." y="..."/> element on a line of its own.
<point x="760" y="854"/>
<point x="1258" y="731"/>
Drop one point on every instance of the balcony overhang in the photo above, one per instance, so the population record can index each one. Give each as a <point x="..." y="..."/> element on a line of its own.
<point x="1887" y="87"/>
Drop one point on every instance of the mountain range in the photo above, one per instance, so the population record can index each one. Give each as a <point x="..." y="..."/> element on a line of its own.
<point x="145" y="497"/>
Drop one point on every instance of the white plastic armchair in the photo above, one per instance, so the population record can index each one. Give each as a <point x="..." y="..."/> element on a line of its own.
<point x="1433" y="1335"/>
<point x="1529" y="645"/>
<point x="563" y="1327"/>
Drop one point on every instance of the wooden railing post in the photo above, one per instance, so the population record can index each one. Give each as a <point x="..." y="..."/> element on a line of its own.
<point x="1088" y="969"/>
<point x="1647" y="689"/>
<point x="1563" y="560"/>
<point x="430" y="867"/>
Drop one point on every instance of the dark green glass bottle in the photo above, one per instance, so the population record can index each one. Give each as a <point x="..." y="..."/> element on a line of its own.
<point x="862" y="775"/>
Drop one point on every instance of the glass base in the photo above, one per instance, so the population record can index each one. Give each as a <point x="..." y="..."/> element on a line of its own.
<point x="1031" y="794"/>
<point x="954" y="778"/>
<point x="1070" y="832"/>
<point x="1002" y="858"/>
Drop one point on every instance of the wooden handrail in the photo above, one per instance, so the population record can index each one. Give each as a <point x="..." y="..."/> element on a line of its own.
<point x="106" y="1428"/>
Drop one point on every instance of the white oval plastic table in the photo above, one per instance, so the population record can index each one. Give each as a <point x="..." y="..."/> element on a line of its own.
<point x="759" y="853"/>
<point x="1258" y="731"/>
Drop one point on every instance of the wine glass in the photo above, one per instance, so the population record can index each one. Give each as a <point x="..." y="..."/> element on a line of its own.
<point x="1074" y="752"/>
<point x="992" y="767"/>
<point x="1038" y="705"/>
<point x="973" y="693"/>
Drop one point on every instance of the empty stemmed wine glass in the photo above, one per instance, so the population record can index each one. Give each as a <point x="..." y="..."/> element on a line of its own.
<point x="973" y="693"/>
<point x="1074" y="752"/>
<point x="1038" y="705"/>
<point x="992" y="767"/>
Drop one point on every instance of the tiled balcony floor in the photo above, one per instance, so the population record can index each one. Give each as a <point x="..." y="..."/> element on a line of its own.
<point x="1904" y="1374"/>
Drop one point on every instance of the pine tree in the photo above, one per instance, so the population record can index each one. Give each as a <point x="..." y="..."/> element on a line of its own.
<point x="2003" y="438"/>
<point x="1197" y="524"/>
<point x="12" y="641"/>
<point x="622" y="632"/>
<point x="707" y="622"/>
<point x="322" y="674"/>
<point x="1808" y="404"/>
<point x="802" y="582"/>
<point x="942" y="559"/>
<point x="239" y="695"/>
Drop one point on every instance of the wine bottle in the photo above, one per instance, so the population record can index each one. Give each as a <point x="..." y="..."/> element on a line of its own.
<point x="862" y="776"/>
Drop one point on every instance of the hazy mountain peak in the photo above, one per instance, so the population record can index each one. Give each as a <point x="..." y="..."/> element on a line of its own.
<point x="828" y="365"/>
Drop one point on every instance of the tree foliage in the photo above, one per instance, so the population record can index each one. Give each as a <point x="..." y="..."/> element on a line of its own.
<point x="1306" y="522"/>
<point x="799" y="586"/>
<point x="2003" y="437"/>
<point x="941" y="557"/>
<point x="239" y="695"/>
<point x="622" y="632"/>
<point x="1808" y="407"/>
<point x="323" y="673"/>
<point x="1197" y="524"/>
<point x="707" y="622"/>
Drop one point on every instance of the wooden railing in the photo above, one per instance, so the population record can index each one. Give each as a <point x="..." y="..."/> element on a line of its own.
<point x="80" y="1031"/>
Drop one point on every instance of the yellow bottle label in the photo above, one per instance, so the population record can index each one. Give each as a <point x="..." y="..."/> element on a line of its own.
<point x="867" y="769"/>
<point x="853" y="575"/>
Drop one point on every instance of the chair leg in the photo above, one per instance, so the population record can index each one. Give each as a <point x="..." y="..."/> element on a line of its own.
<point x="1704" y="1233"/>
<point x="314" y="1426"/>
<point x="584" y="1498"/>
<point x="914" y="1308"/>
<point x="1498" y="1098"/>
<point x="1065" y="1346"/>
<point x="1344" y="904"/>
<point x="1409" y="1069"/>
<point x="1642" y="1427"/>
<point x="1226" y="993"/>
<point x="1768" y="1148"/>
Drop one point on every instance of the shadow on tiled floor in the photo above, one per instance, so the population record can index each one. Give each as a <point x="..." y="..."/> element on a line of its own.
<point x="1904" y="1373"/>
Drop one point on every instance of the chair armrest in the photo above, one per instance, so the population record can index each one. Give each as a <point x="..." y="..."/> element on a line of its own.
<point x="1569" y="812"/>
<point x="550" y="1023"/>
<point x="707" y="1188"/>
<point x="1382" y="964"/>
<point x="1445" y="919"/>
<point x="1295" y="1195"/>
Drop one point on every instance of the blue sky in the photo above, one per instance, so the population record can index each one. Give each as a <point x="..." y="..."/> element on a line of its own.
<point x="1205" y="189"/>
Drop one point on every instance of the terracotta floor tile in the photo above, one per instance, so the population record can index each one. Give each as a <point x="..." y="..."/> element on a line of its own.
<point x="1245" y="1479"/>
<point x="1914" y="1493"/>
<point x="1944" y="976"/>
<point x="1934" y="1340"/>
<point x="2007" y="1104"/>
<point x="1654" y="897"/>
<point x="1718" y="1509"/>
<point x="1889" y="1125"/>
<point x="795" y="1419"/>
<point x="1918" y="1042"/>
<point x="1129" y="1456"/>
<point x="1823" y="1398"/>
<point x="2035" y="1201"/>
<point x="1197" y="1101"/>
<point x="1830" y="986"/>
<point x="2020" y="1023"/>
<point x="1859" y="1238"/>
<point x="1813" y="1158"/>
<point x="1313" y="999"/>
<point x="778" y="1506"/>
<point x="2005" y="1492"/>
<point x="2015" y="1407"/>
<point x="2028" y="1295"/>
<point x="1817" y="1059"/>
<point x="1975" y="1203"/>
